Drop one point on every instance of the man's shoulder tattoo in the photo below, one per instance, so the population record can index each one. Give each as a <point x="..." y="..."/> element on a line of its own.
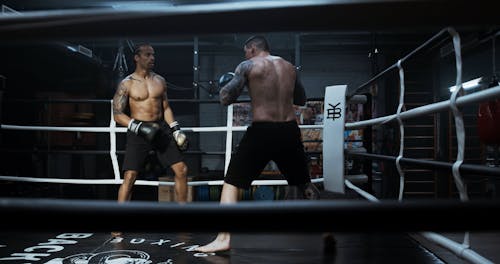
<point x="245" y="66"/>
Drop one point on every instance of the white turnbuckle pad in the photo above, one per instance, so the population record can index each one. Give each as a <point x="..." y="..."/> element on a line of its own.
<point x="333" y="138"/>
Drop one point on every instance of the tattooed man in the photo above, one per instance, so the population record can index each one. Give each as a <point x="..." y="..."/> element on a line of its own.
<point x="274" y="134"/>
<point x="140" y="103"/>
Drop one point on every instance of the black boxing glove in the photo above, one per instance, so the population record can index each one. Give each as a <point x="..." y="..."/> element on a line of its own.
<point x="225" y="78"/>
<point x="179" y="136"/>
<point x="149" y="131"/>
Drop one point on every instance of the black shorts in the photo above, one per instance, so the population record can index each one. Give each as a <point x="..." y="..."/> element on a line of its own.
<point x="266" y="141"/>
<point x="138" y="149"/>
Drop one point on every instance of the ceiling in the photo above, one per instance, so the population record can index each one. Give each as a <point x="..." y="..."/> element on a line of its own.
<point x="60" y="30"/>
<point x="219" y="24"/>
<point x="104" y="19"/>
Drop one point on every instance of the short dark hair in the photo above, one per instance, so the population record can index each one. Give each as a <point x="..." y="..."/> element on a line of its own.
<point x="259" y="41"/>
<point x="138" y="47"/>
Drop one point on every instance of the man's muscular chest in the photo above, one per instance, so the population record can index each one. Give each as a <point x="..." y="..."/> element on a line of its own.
<point x="146" y="90"/>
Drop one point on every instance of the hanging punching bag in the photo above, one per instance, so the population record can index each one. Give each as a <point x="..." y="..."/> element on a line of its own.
<point x="488" y="119"/>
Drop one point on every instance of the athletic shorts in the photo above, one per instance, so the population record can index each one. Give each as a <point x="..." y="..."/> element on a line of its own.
<point x="138" y="149"/>
<point x="266" y="141"/>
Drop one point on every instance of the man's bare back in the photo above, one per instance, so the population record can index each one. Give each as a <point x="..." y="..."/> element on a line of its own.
<point x="271" y="82"/>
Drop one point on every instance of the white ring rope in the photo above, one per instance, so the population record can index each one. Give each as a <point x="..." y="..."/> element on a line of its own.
<point x="459" y="127"/>
<point x="476" y="97"/>
<point x="360" y="191"/>
<point x="121" y="129"/>
<point x="112" y="129"/>
<point x="401" y="130"/>
<point x="459" y="123"/>
<point x="141" y="182"/>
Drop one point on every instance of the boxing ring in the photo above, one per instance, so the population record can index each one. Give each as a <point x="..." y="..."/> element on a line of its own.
<point x="425" y="217"/>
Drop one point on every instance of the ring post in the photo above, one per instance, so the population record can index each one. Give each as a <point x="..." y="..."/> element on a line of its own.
<point x="333" y="138"/>
<point x="229" y="137"/>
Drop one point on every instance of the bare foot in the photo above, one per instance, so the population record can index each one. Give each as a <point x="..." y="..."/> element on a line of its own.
<point x="221" y="243"/>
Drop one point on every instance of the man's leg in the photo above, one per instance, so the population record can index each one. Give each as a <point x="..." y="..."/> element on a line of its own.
<point x="180" y="171"/>
<point x="125" y="192"/>
<point x="222" y="242"/>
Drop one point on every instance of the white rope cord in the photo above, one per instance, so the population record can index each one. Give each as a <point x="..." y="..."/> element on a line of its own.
<point x="401" y="130"/>
<point x="397" y="116"/>
<point x="457" y="114"/>
<point x="459" y="127"/>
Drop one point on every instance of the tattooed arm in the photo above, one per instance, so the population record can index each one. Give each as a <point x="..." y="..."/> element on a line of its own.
<point x="120" y="102"/>
<point x="230" y="92"/>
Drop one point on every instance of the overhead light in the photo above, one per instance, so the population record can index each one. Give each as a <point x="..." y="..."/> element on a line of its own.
<point x="85" y="51"/>
<point x="71" y="48"/>
<point x="80" y="49"/>
<point x="469" y="85"/>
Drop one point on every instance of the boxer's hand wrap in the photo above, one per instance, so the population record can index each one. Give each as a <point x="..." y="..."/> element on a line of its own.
<point x="179" y="136"/>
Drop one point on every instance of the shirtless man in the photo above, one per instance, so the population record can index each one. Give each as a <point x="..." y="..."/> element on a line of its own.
<point x="274" y="133"/>
<point x="151" y="125"/>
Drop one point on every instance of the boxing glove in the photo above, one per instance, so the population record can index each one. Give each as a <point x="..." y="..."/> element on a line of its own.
<point x="179" y="136"/>
<point x="148" y="130"/>
<point x="225" y="78"/>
